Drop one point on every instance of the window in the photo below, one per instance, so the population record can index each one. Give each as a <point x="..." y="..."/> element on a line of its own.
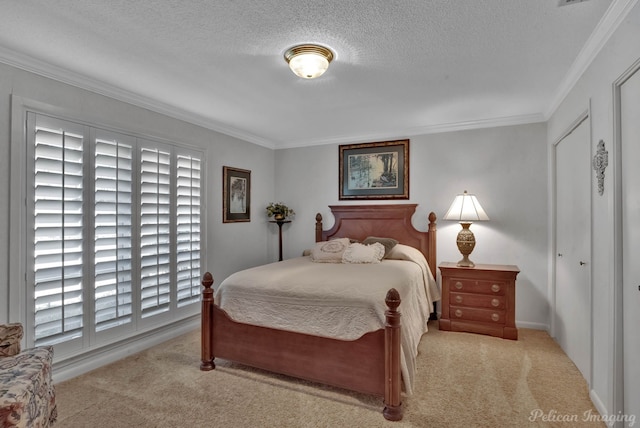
<point x="58" y="241"/>
<point x="155" y="236"/>
<point x="114" y="233"/>
<point x="188" y="229"/>
<point x="113" y="203"/>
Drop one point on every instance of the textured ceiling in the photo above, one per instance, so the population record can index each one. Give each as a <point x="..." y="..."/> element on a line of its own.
<point x="402" y="67"/>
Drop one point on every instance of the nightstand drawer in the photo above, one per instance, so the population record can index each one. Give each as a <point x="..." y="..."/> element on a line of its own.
<point x="475" y="314"/>
<point x="477" y="300"/>
<point x="464" y="285"/>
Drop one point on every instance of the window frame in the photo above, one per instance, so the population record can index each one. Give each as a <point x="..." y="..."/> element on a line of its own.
<point x="20" y="307"/>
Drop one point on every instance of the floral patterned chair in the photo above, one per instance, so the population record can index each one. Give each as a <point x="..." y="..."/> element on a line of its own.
<point x="27" y="394"/>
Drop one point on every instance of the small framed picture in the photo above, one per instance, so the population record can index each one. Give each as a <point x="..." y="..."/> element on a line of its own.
<point x="236" y="195"/>
<point x="375" y="170"/>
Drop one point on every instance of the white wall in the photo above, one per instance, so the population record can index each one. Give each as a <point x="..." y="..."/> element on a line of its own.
<point x="230" y="246"/>
<point x="505" y="167"/>
<point x="595" y="89"/>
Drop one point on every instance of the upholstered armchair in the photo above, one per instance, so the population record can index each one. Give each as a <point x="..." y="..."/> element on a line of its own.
<point x="27" y="394"/>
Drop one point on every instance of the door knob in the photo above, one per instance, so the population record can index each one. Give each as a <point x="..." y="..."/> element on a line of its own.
<point x="582" y="263"/>
<point x="559" y="254"/>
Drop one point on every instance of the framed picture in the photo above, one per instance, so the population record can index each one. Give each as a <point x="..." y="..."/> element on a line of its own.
<point x="375" y="170"/>
<point x="236" y="195"/>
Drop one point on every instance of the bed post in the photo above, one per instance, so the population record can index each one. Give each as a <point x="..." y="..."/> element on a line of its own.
<point x="318" y="227"/>
<point x="432" y="257"/>
<point x="392" y="375"/>
<point x="432" y="243"/>
<point x="207" y="324"/>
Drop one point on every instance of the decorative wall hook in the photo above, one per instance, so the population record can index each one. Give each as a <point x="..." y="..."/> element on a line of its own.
<point x="600" y="162"/>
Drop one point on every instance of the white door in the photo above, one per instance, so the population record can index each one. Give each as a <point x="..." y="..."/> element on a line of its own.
<point x="572" y="323"/>
<point x="630" y="156"/>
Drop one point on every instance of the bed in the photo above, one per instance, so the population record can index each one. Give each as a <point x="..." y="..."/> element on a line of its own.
<point x="376" y="359"/>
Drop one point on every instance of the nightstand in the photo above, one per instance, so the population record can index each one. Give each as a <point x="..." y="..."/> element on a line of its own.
<point x="481" y="299"/>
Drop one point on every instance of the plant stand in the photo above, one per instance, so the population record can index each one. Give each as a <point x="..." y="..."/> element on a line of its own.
<point x="280" y="223"/>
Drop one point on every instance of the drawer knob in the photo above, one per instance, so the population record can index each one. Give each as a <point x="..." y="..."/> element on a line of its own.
<point x="458" y="313"/>
<point x="495" y="317"/>
<point x="495" y="288"/>
<point x="495" y="303"/>
<point x="458" y="299"/>
<point x="458" y="285"/>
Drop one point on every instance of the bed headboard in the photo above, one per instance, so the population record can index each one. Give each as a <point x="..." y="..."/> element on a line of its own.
<point x="388" y="221"/>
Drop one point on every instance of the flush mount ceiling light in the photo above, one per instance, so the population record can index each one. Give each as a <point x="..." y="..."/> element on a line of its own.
<point x="308" y="61"/>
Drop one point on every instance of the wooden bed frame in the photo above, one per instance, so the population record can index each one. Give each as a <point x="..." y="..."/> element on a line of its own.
<point x="370" y="364"/>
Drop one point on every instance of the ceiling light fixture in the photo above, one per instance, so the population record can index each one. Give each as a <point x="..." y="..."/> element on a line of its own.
<point x="308" y="61"/>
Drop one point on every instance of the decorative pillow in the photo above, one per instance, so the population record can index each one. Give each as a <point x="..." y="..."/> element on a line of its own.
<point x="329" y="251"/>
<point x="360" y="253"/>
<point x="388" y="243"/>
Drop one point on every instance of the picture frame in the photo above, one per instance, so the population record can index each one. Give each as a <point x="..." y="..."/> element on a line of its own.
<point x="236" y="195"/>
<point x="374" y="170"/>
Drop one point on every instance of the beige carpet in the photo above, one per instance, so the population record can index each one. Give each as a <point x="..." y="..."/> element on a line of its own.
<point x="463" y="380"/>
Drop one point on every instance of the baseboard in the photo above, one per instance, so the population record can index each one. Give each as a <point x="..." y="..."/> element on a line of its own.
<point x="612" y="420"/>
<point x="71" y="368"/>
<point x="532" y="325"/>
<point x="597" y="402"/>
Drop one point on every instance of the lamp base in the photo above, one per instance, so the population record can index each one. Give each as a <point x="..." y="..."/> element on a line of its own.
<point x="466" y="242"/>
<point x="465" y="262"/>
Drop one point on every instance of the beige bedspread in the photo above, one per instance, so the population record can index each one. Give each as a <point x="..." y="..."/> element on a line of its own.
<point x="337" y="300"/>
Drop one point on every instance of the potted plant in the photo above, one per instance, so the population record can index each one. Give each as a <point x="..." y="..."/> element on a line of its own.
<point x="279" y="211"/>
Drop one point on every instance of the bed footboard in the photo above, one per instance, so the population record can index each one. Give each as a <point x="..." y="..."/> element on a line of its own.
<point x="370" y="364"/>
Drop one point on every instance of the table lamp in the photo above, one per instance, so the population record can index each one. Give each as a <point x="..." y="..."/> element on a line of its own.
<point x="466" y="209"/>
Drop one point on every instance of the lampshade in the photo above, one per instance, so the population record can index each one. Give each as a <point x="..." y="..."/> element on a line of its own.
<point x="308" y="61"/>
<point x="466" y="209"/>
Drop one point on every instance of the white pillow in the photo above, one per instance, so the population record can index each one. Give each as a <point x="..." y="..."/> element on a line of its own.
<point x="329" y="251"/>
<point x="360" y="253"/>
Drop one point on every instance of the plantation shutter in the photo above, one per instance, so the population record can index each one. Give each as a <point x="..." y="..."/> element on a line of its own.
<point x="155" y="231"/>
<point x="188" y="228"/>
<point x="113" y="235"/>
<point x="113" y="231"/>
<point x="58" y="239"/>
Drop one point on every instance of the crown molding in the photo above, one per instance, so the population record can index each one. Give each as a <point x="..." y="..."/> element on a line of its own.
<point x="613" y="17"/>
<point x="32" y="65"/>
<point x="420" y="130"/>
